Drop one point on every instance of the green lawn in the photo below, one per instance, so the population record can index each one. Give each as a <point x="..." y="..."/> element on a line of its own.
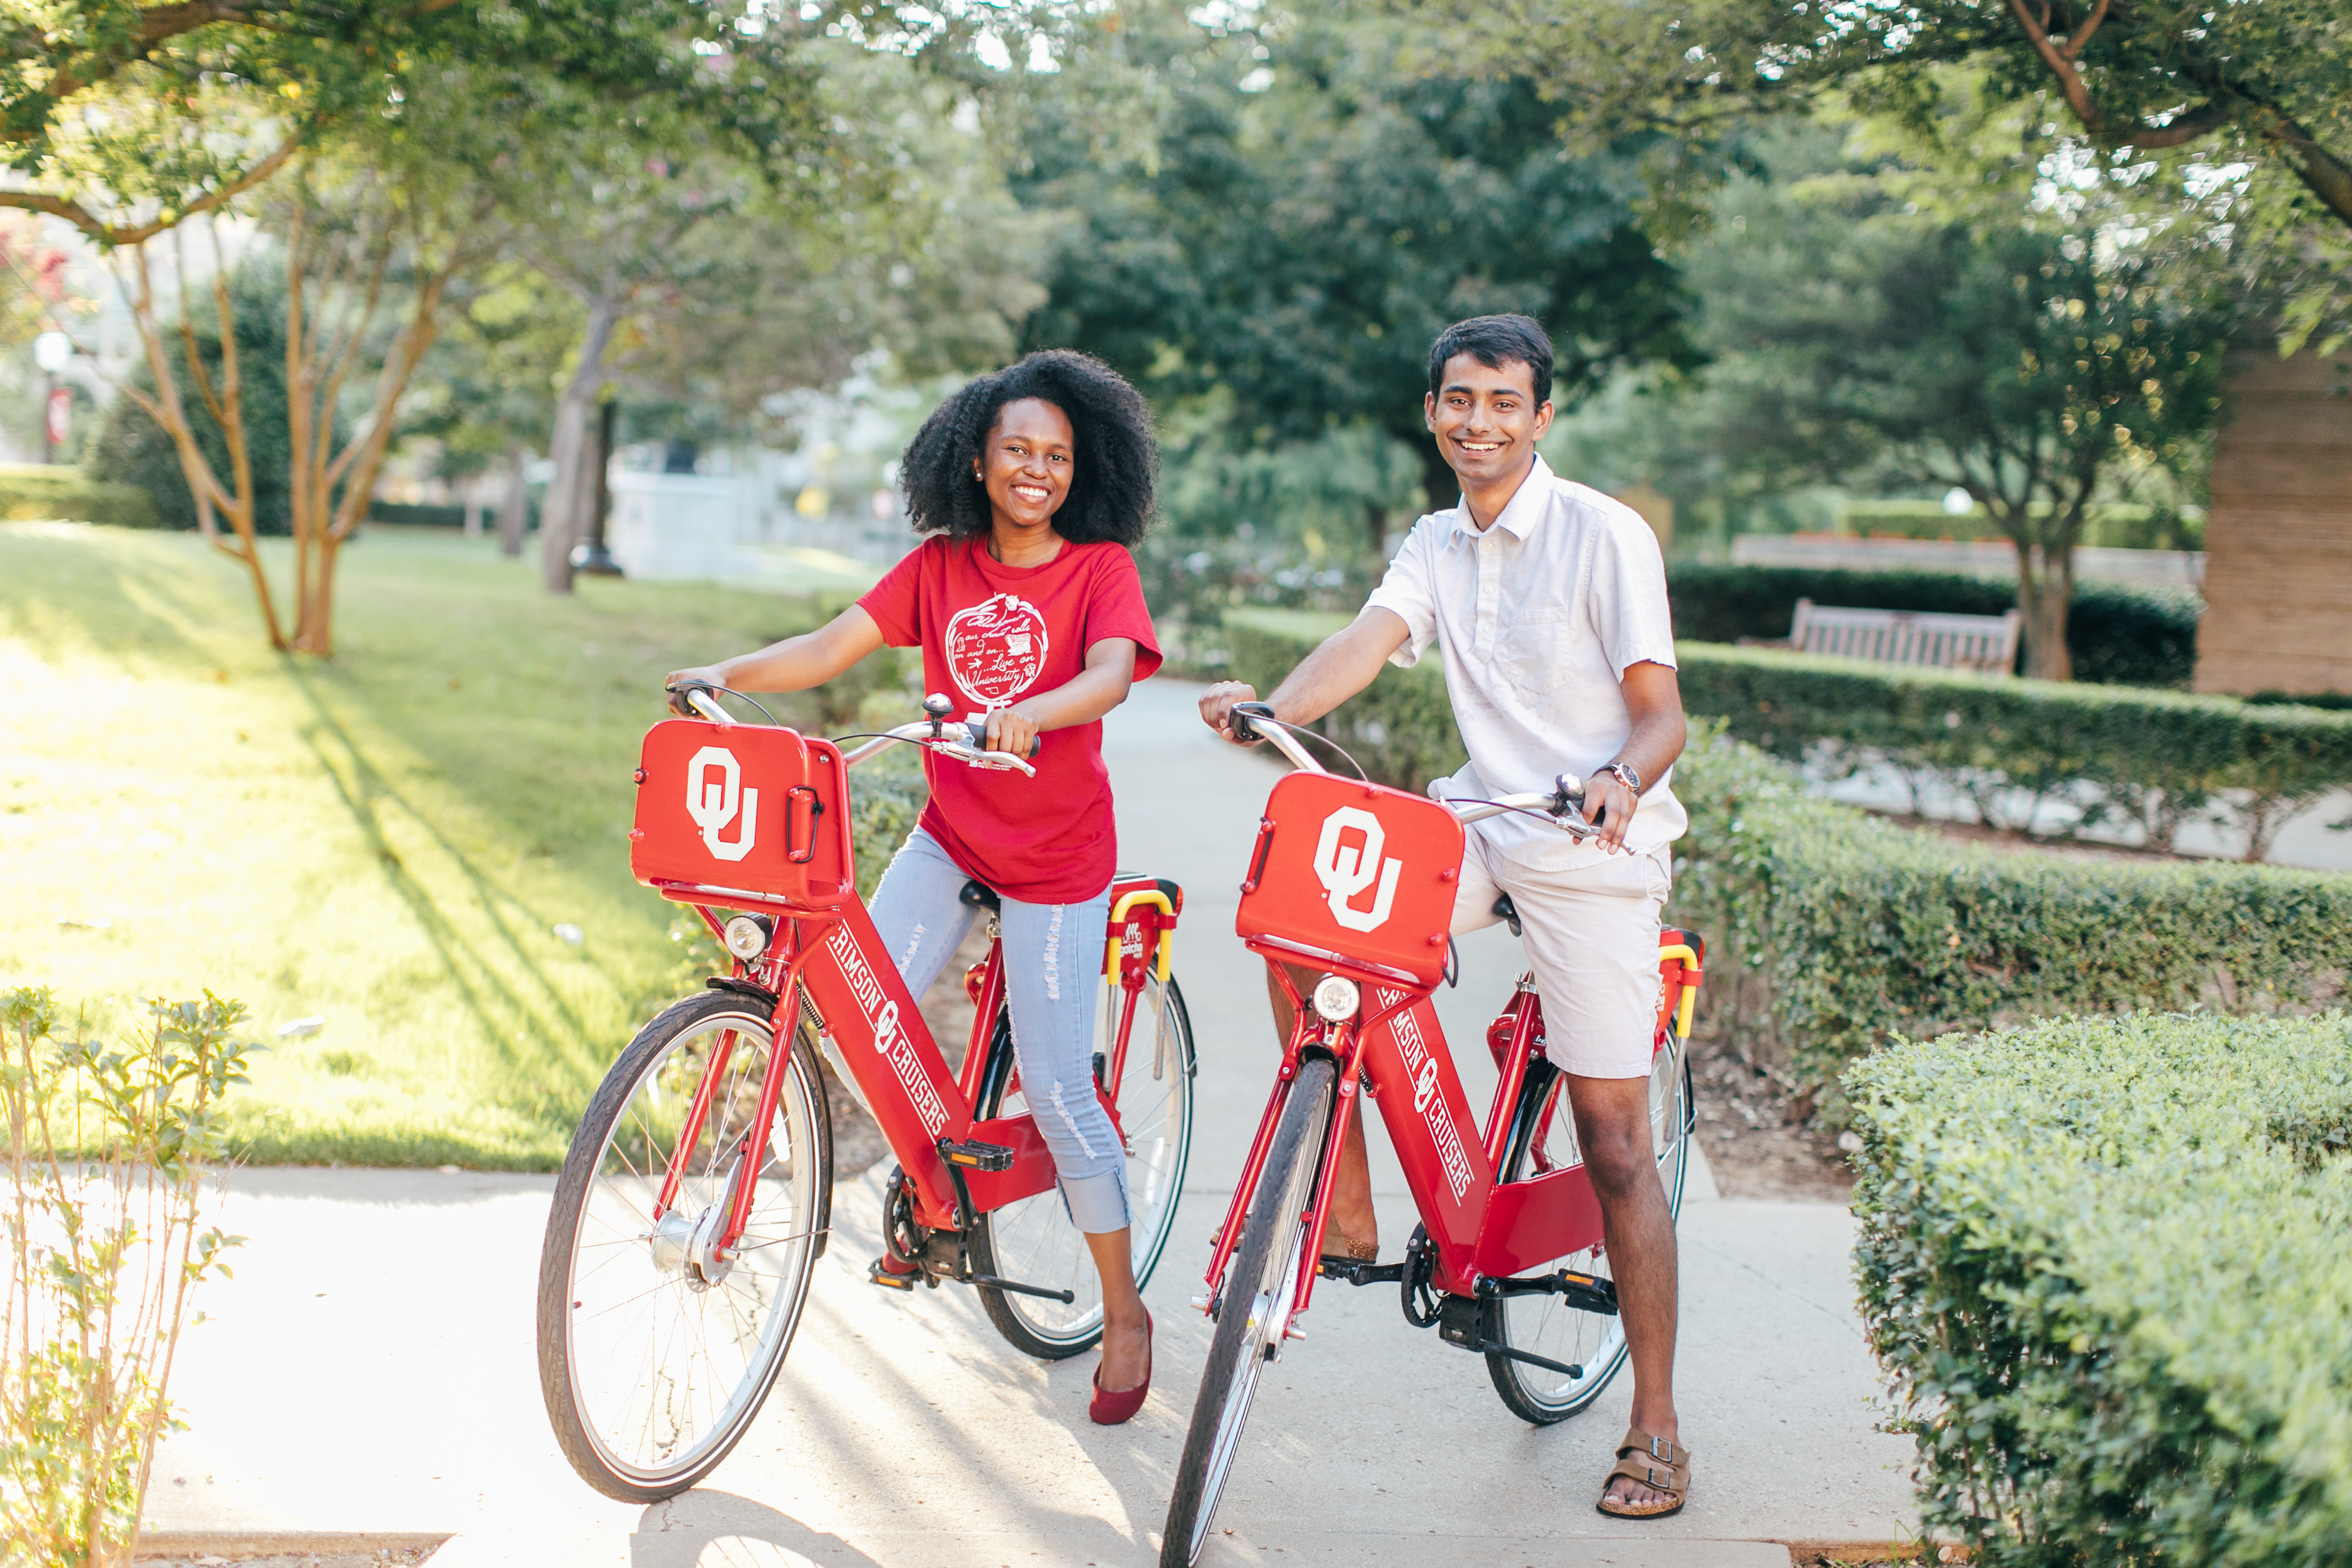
<point x="388" y="841"/>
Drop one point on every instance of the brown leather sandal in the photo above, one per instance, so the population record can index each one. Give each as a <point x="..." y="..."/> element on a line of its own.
<point x="1658" y="1464"/>
<point x="1337" y="1243"/>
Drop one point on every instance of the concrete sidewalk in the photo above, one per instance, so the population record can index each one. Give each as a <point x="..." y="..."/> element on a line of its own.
<point x="371" y="1368"/>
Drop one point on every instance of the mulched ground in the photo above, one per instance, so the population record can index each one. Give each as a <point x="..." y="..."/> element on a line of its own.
<point x="1753" y="1132"/>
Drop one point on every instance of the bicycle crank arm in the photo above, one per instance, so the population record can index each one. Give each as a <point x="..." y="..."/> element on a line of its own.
<point x="992" y="1282"/>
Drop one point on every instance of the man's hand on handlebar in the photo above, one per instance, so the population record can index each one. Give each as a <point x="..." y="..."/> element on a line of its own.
<point x="674" y="683"/>
<point x="1217" y="708"/>
<point x="1608" y="806"/>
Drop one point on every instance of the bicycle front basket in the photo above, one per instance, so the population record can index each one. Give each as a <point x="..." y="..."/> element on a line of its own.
<point x="743" y="807"/>
<point x="1356" y="872"/>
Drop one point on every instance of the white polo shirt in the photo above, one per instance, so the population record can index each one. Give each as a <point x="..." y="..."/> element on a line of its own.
<point x="1540" y="616"/>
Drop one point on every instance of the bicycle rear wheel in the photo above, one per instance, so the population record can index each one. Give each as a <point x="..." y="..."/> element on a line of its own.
<point x="1550" y="1326"/>
<point x="655" y="1350"/>
<point x="1253" y="1308"/>
<point x="1033" y="1241"/>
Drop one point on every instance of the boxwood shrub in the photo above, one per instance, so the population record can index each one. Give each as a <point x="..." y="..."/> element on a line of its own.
<point x="2104" y="1265"/>
<point x="2119" y="635"/>
<point x="1834" y="931"/>
<point x="2111" y="753"/>
<point x="39" y="491"/>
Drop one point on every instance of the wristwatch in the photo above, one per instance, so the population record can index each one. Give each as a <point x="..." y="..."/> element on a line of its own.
<point x="1623" y="773"/>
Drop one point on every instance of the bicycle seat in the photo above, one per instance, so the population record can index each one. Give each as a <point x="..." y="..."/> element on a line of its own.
<point x="1503" y="907"/>
<point x="980" y="895"/>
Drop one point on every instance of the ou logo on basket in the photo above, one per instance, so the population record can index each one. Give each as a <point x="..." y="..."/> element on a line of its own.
<point x="1347" y="870"/>
<point x="713" y="802"/>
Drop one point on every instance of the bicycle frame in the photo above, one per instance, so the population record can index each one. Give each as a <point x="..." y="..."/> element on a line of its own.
<point x="1394" y="1045"/>
<point x="825" y="954"/>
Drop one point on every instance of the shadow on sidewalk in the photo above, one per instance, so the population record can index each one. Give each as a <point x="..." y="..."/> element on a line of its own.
<point x="704" y="1529"/>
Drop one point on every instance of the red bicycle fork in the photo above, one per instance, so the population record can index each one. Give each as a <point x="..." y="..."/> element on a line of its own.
<point x="1479" y="1226"/>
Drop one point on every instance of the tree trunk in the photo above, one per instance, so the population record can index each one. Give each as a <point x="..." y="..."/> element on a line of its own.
<point x="225" y="404"/>
<point x="313" y="389"/>
<point x="514" y="512"/>
<point x="2045" y="593"/>
<point x="571" y="493"/>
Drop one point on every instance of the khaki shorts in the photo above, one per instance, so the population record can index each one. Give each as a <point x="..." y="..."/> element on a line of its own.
<point x="1591" y="931"/>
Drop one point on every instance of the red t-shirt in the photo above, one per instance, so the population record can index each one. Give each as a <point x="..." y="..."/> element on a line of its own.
<point x="990" y="635"/>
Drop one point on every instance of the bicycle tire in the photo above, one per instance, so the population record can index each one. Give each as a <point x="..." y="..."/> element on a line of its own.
<point x="1033" y="1241"/>
<point x="1550" y="1325"/>
<point x="1244" y="1342"/>
<point x="610" y="1175"/>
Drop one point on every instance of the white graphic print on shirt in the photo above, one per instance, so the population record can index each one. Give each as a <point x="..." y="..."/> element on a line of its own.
<point x="996" y="649"/>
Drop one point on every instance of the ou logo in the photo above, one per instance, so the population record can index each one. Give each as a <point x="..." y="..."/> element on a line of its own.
<point x="1346" y="870"/>
<point x="715" y="796"/>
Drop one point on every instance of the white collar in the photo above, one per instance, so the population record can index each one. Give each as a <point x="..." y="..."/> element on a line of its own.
<point x="1520" y="515"/>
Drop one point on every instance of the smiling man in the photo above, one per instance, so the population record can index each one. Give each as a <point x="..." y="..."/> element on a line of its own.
<point x="1549" y="602"/>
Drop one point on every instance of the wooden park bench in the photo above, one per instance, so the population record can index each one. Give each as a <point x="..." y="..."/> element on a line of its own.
<point x="1984" y="643"/>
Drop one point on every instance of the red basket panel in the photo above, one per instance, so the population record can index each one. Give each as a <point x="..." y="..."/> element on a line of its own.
<point x="741" y="806"/>
<point x="1357" y="869"/>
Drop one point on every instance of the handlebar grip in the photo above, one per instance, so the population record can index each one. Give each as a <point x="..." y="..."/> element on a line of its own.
<point x="979" y="733"/>
<point x="1241" y="715"/>
<point x="682" y="700"/>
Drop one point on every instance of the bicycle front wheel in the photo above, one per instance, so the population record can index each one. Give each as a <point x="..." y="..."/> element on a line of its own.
<point x="656" y="1347"/>
<point x="1551" y="1327"/>
<point x="1253" y="1309"/>
<point x="1033" y="1240"/>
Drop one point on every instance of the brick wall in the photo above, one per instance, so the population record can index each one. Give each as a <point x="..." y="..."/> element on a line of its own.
<point x="2278" y="538"/>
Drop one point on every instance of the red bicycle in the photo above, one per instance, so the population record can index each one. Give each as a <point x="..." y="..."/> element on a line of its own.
<point x="695" y="1198"/>
<point x="1358" y="880"/>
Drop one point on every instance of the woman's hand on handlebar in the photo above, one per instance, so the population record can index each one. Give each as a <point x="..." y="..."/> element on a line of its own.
<point x="1217" y="708"/>
<point x="1010" y="729"/>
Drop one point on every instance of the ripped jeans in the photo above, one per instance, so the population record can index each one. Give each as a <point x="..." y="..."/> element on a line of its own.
<point x="1053" y="964"/>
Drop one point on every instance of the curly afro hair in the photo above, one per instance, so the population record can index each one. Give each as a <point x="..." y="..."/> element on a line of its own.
<point x="1116" y="456"/>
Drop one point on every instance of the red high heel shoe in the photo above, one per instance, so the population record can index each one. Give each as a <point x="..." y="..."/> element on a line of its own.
<point x="1109" y="1409"/>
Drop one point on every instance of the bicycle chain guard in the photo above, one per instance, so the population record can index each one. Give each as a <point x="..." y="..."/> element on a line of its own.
<point x="1421" y="1305"/>
<point x="903" y="1238"/>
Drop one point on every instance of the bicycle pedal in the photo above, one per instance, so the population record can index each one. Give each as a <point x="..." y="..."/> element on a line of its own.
<point x="879" y="1272"/>
<point x="1357" y="1271"/>
<point x="974" y="1156"/>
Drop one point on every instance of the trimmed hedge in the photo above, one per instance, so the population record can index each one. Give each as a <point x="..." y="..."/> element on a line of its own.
<point x="428" y="516"/>
<point x="2113" y="753"/>
<point x="2118" y="635"/>
<point x="1835" y="931"/>
<point x="2104" y="1265"/>
<point x="35" y="491"/>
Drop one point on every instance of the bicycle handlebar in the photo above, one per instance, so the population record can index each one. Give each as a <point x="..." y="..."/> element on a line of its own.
<point x="1563" y="803"/>
<point x="953" y="737"/>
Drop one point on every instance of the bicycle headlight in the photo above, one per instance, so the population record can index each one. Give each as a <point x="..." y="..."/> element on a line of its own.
<point x="746" y="935"/>
<point x="1336" y="998"/>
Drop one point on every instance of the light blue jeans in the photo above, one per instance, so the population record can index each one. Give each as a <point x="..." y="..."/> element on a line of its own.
<point x="1053" y="958"/>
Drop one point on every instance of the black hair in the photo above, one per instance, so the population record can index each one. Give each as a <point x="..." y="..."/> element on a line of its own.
<point x="1115" y="456"/>
<point x="1495" y="341"/>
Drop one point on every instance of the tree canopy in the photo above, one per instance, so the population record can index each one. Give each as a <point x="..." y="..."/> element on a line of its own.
<point x="2258" y="86"/>
<point x="1298" y="219"/>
